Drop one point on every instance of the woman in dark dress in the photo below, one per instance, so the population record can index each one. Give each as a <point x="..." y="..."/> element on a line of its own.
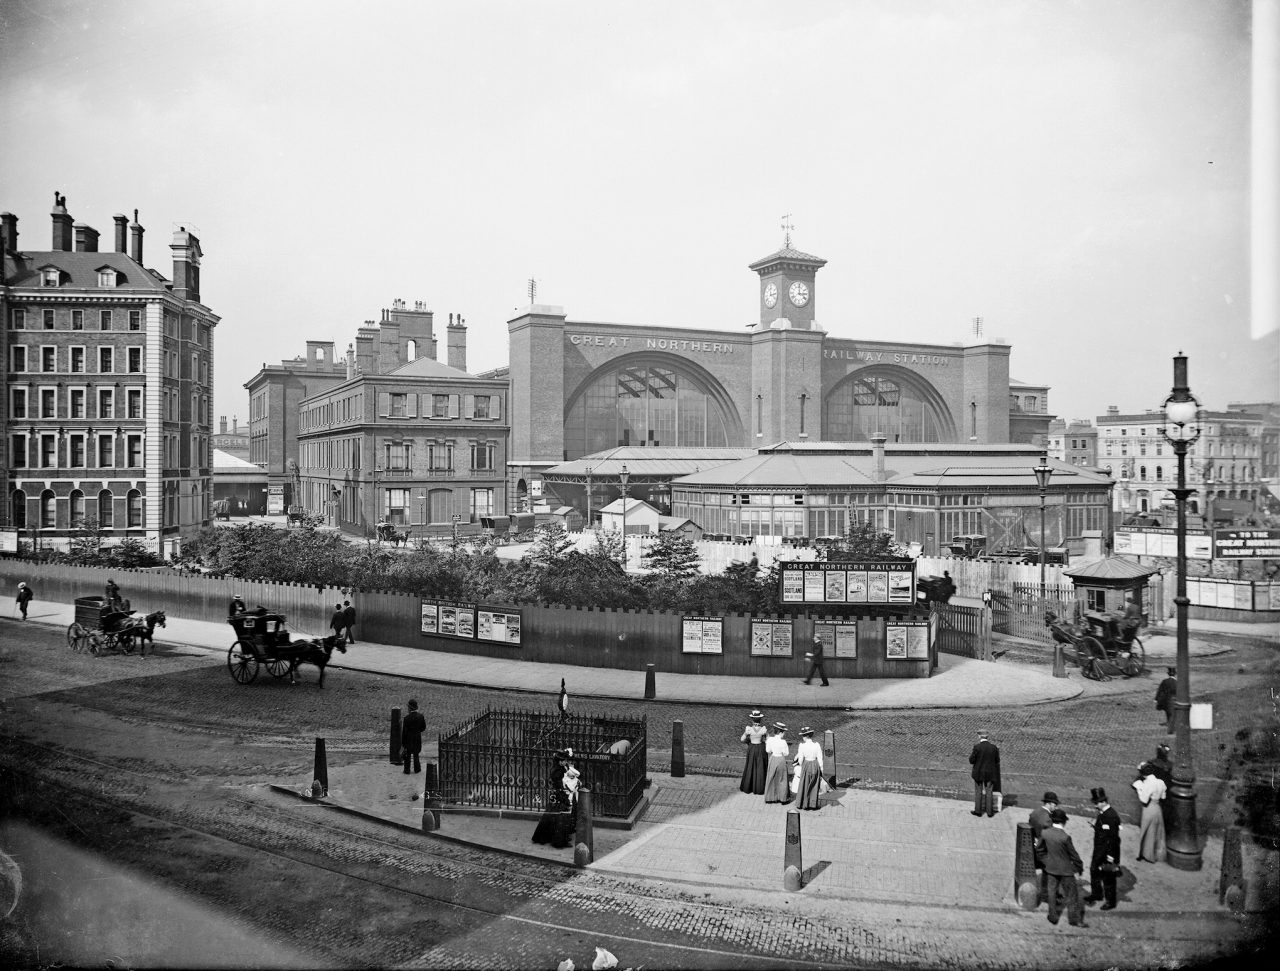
<point x="753" y="773"/>
<point x="558" y="820"/>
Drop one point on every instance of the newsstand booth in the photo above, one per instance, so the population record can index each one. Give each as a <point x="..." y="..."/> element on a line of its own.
<point x="1103" y="587"/>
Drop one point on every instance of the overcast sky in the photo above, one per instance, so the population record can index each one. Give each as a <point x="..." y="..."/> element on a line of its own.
<point x="1074" y="173"/>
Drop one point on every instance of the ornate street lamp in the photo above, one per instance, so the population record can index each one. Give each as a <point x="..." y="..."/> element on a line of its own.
<point x="623" y="476"/>
<point x="589" y="487"/>
<point x="1181" y="428"/>
<point x="1043" y="471"/>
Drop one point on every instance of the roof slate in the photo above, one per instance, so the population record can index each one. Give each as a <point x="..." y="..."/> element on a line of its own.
<point x="81" y="269"/>
<point x="429" y="367"/>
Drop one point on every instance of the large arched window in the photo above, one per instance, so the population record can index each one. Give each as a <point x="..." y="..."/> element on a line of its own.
<point x="75" y="512"/>
<point x="134" y="507"/>
<point x="48" y="509"/>
<point x="19" y="509"/>
<point x="106" y="511"/>
<point x="649" y="399"/>
<point x="888" y="400"/>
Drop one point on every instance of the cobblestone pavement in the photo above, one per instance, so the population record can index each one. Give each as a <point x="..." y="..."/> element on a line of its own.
<point x="192" y="729"/>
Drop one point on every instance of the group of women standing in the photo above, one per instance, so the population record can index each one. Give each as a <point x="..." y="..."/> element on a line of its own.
<point x="771" y="771"/>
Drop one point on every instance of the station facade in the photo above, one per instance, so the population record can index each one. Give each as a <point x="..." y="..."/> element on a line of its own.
<point x="582" y="387"/>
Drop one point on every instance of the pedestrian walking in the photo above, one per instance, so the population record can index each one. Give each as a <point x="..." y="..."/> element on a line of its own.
<point x="112" y="594"/>
<point x="349" y="616"/>
<point x="777" y="778"/>
<point x="755" y="768"/>
<point x="338" y="621"/>
<point x="411" y="730"/>
<point x="806" y="783"/>
<point x="815" y="656"/>
<point x="1165" y="695"/>
<point x="948" y="587"/>
<point x="23" y="598"/>
<point x="236" y="606"/>
<point x="1041" y="818"/>
<point x="985" y="759"/>
<point x="1104" y="865"/>
<point x="1151" y="792"/>
<point x="1062" y="864"/>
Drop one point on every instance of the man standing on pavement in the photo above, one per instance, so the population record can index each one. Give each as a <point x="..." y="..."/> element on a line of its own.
<point x="1165" y="695"/>
<point x="1040" y="820"/>
<point x="411" y="736"/>
<point x="338" y="621"/>
<point x="1104" y="865"/>
<point x="985" y="759"/>
<point x="23" y="598"/>
<point x="349" y="615"/>
<point x="1061" y="864"/>
<point x="815" y="656"/>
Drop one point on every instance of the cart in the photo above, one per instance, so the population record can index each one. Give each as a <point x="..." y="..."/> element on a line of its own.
<point x="262" y="640"/>
<point x="1099" y="645"/>
<point x="99" y="627"/>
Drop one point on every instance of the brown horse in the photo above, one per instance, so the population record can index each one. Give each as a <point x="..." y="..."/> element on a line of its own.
<point x="315" y="651"/>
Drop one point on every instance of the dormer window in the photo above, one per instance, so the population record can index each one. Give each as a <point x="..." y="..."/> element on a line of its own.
<point x="50" y="276"/>
<point x="107" y="277"/>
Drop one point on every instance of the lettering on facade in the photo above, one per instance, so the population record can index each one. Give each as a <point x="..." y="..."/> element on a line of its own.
<point x="652" y="343"/>
<point x="882" y="357"/>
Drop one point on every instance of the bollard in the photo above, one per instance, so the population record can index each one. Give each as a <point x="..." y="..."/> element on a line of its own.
<point x="1059" y="662"/>
<point x="584" y="837"/>
<point x="650" y="683"/>
<point x="1026" y="886"/>
<point x="321" y="772"/>
<point x="792" y="862"/>
<point x="829" y="756"/>
<point x="677" y="749"/>
<point x="395" y="736"/>
<point x="432" y="811"/>
<point x="430" y="777"/>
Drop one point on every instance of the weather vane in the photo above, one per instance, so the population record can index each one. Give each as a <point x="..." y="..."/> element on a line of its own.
<point x="787" y="226"/>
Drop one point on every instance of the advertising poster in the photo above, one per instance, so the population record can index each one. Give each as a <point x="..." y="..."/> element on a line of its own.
<point x="781" y="640"/>
<point x="815" y="587"/>
<point x="713" y="636"/>
<point x="856" y="586"/>
<point x="1199" y="547"/>
<point x="8" y="541"/>
<point x="1124" y="542"/>
<point x="498" y="626"/>
<point x="895" y="643"/>
<point x="846" y="640"/>
<point x="835" y="586"/>
<point x="826" y="633"/>
<point x="918" y="642"/>
<point x="1244" y="596"/>
<point x="691" y="640"/>
<point x="702" y="635"/>
<point x="900" y="591"/>
<point x="877" y="587"/>
<point x="466" y="622"/>
<point x="792" y="586"/>
<point x="430" y="618"/>
<point x="448" y="620"/>
<point x="1275" y="596"/>
<point x="761" y="639"/>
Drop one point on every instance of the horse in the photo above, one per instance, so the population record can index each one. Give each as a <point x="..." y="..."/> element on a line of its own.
<point x="316" y="650"/>
<point x="144" y="631"/>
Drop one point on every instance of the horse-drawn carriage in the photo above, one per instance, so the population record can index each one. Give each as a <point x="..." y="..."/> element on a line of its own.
<point x="102" y="625"/>
<point x="387" y="533"/>
<point x="264" y="640"/>
<point x="1103" y="645"/>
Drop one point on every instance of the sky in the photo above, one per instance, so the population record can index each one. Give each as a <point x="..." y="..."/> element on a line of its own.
<point x="1075" y="173"/>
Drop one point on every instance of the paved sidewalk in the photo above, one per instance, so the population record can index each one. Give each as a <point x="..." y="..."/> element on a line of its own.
<point x="958" y="682"/>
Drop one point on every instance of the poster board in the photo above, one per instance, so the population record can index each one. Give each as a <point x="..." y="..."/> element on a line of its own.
<point x="702" y="635"/>
<point x="907" y="640"/>
<point x="771" y="639"/>
<point x="838" y="640"/>
<point x="8" y="540"/>
<point x="498" y="625"/>
<point x="443" y="618"/>
<point x="867" y="582"/>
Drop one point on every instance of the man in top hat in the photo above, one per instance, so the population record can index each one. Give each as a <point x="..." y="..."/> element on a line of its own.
<point x="1061" y="864"/>
<point x="985" y="759"/>
<point x="236" y="606"/>
<point x="1104" y="865"/>
<point x="1165" y="695"/>
<point x="1040" y="820"/>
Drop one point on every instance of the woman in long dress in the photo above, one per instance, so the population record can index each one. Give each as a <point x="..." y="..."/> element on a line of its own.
<point x="753" y="772"/>
<point x="808" y="774"/>
<point x="1151" y="792"/>
<point x="777" y="778"/>
<point x="557" y="822"/>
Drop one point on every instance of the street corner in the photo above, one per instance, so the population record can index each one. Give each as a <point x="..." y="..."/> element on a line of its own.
<point x="375" y="787"/>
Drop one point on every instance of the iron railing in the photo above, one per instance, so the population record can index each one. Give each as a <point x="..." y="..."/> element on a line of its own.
<point x="502" y="758"/>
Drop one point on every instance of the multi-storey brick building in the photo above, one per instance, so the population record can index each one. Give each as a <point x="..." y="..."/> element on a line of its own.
<point x="107" y="386"/>
<point x="1074" y="442"/>
<point x="1224" y="463"/>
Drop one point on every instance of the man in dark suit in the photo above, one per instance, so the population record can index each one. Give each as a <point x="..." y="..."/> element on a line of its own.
<point x="1061" y="864"/>
<point x="338" y="621"/>
<point x="815" y="655"/>
<point x="985" y="759"/>
<point x="349" y="614"/>
<point x="1104" y="865"/>
<point x="411" y="730"/>
<point x="1040" y="820"/>
<point x="1165" y="696"/>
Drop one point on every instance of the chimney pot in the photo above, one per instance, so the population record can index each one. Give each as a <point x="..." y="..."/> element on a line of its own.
<point x="877" y="452"/>
<point x="63" y="225"/>
<point x="122" y="232"/>
<point x="135" y="238"/>
<point x="86" y="238"/>
<point x="8" y="232"/>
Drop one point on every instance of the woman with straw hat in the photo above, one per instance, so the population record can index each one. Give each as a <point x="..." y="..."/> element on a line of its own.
<point x="753" y="773"/>
<point x="776" y="788"/>
<point x="807" y="783"/>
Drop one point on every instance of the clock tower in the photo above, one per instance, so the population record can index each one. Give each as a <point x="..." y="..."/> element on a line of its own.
<point x="787" y="289"/>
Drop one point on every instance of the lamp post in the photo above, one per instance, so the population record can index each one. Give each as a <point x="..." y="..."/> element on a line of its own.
<point x="1043" y="471"/>
<point x="588" y="489"/>
<point x="623" y="476"/>
<point x="1181" y="428"/>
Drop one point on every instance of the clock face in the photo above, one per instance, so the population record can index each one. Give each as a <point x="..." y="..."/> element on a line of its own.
<point x="799" y="294"/>
<point x="771" y="295"/>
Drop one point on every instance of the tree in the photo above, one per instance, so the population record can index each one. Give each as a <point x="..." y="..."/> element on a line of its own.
<point x="606" y="543"/>
<point x="550" y="545"/>
<point x="673" y="556"/>
<point x="862" y="541"/>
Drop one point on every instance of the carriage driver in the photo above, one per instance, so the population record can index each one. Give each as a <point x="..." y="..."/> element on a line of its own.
<point x="237" y="605"/>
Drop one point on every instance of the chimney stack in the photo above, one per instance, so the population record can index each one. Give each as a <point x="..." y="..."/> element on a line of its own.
<point x="186" y="265"/>
<point x="222" y="427"/>
<point x="86" y="238"/>
<point x="8" y="232"/>
<point x="135" y="234"/>
<point x="457" y="343"/>
<point x="877" y="454"/>
<point x="62" y="224"/>
<point x="351" y="362"/>
<point x="122" y="232"/>
<point x="1113" y="409"/>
